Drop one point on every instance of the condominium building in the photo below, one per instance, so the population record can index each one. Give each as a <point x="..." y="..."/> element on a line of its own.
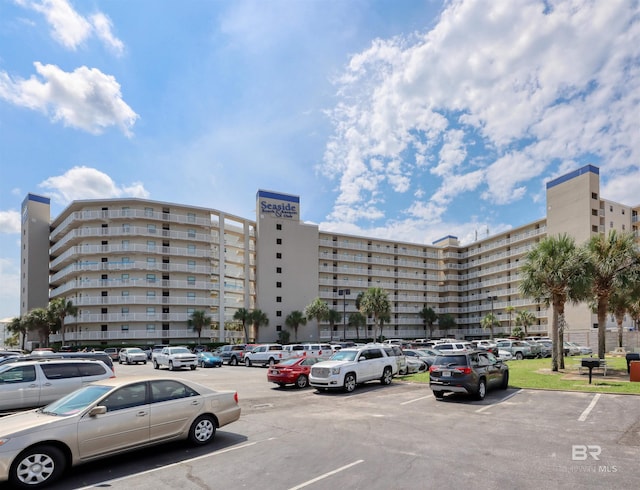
<point x="137" y="269"/>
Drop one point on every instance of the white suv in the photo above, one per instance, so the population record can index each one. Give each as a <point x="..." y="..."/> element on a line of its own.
<point x="35" y="383"/>
<point x="349" y="367"/>
<point x="265" y="354"/>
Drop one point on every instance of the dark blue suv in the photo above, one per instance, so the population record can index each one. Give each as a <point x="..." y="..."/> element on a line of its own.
<point x="470" y="372"/>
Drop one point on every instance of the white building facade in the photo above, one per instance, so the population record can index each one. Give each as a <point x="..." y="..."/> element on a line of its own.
<point x="137" y="269"/>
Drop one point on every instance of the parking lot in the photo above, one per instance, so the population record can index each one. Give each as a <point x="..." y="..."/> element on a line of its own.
<point x="388" y="437"/>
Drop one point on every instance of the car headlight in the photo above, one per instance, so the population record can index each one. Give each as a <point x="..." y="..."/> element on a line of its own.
<point x="335" y="370"/>
<point x="4" y="440"/>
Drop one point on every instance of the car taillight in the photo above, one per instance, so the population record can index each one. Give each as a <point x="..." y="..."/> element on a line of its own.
<point x="235" y="397"/>
<point x="433" y="368"/>
<point x="464" y="370"/>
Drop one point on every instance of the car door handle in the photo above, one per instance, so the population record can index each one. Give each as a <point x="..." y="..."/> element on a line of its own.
<point x="141" y="414"/>
<point x="33" y="386"/>
<point x="195" y="402"/>
<point x="46" y="384"/>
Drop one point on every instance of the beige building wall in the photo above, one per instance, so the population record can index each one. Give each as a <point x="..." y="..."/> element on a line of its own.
<point x="286" y="264"/>
<point x="34" y="253"/>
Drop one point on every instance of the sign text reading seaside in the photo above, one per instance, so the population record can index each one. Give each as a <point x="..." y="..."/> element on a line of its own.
<point x="288" y="210"/>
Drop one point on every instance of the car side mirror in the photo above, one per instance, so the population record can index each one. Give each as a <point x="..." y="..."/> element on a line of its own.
<point x="97" y="410"/>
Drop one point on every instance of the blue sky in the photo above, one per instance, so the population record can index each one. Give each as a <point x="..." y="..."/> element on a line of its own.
<point x="407" y="120"/>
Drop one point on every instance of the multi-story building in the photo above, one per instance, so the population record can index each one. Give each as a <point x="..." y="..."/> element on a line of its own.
<point x="137" y="269"/>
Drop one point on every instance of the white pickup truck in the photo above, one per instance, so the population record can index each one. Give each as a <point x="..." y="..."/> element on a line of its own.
<point x="175" y="358"/>
<point x="349" y="367"/>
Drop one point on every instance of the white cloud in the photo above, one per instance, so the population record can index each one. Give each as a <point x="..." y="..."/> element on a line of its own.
<point x="71" y="29"/>
<point x="9" y="292"/>
<point x="86" y="98"/>
<point x="88" y="183"/>
<point x="524" y="83"/>
<point x="9" y="222"/>
<point x="617" y="188"/>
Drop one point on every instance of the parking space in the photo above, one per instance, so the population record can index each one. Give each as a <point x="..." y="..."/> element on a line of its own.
<point x="390" y="437"/>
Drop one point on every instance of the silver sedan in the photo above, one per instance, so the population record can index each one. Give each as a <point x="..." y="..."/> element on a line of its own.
<point x="105" y="418"/>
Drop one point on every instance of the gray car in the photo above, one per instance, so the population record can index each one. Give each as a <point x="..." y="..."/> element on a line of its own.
<point x="470" y="373"/>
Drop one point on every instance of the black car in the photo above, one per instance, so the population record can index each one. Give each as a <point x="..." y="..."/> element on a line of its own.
<point x="471" y="373"/>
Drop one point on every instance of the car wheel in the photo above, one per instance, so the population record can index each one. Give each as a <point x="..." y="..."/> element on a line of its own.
<point x="37" y="466"/>
<point x="387" y="376"/>
<point x="144" y="362"/>
<point x="119" y="361"/>
<point x="202" y="430"/>
<point x="272" y="361"/>
<point x="247" y="362"/>
<point x="519" y="356"/>
<point x="156" y="365"/>
<point x="438" y="394"/>
<point x="202" y="364"/>
<point x="193" y="367"/>
<point x="482" y="389"/>
<point x="233" y="361"/>
<point x="128" y="361"/>
<point x="349" y="382"/>
<point x="170" y="365"/>
<point x="302" y="381"/>
<point x="505" y="380"/>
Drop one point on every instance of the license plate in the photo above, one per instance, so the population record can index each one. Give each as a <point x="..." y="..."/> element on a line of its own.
<point x="446" y="374"/>
<point x="274" y="372"/>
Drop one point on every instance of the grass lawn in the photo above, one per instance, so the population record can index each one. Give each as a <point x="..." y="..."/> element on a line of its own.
<point x="537" y="374"/>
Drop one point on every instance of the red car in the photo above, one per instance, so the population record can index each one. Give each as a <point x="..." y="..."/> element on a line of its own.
<point x="294" y="371"/>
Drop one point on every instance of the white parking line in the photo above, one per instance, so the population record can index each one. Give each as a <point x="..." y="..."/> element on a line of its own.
<point x="415" y="400"/>
<point x="486" y="407"/>
<point x="587" y="410"/>
<point x="134" y="475"/>
<point x="321" y="477"/>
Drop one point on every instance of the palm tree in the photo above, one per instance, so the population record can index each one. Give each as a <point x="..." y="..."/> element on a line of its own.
<point x="375" y="301"/>
<point x="59" y="309"/>
<point x="621" y="302"/>
<point x="357" y="320"/>
<point x="38" y="320"/>
<point x="446" y="321"/>
<point x="244" y="316"/>
<point x="293" y="321"/>
<point x="319" y="310"/>
<point x="198" y="320"/>
<point x="333" y="317"/>
<point x="509" y="311"/>
<point x="19" y="327"/>
<point x="258" y="318"/>
<point x="489" y="321"/>
<point x="525" y="319"/>
<point x="428" y="317"/>
<point x="611" y="263"/>
<point x="553" y="273"/>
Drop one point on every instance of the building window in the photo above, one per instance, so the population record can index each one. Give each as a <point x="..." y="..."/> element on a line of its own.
<point x="190" y="311"/>
<point x="278" y="299"/>
<point x="191" y="295"/>
<point x="126" y="228"/>
<point x="151" y="278"/>
<point x="278" y="270"/>
<point x="151" y="327"/>
<point x="278" y="241"/>
<point x="191" y="233"/>
<point x="125" y="260"/>
<point x="278" y="328"/>
<point x="151" y="245"/>
<point x="125" y="244"/>
<point x="151" y="261"/>
<point x="594" y="195"/>
<point x="622" y="211"/>
<point x="594" y="212"/>
<point x="124" y="293"/>
<point x="151" y="228"/>
<point x="623" y="228"/>
<point x="148" y="212"/>
<point x="191" y="280"/>
<point x="124" y="310"/>
<point x="610" y="224"/>
<point x="191" y="249"/>
<point x="124" y="328"/>
<point x="151" y="294"/>
<point x="278" y="255"/>
<point x="191" y="265"/>
<point x="151" y="310"/>
<point x="594" y="228"/>
<point x="278" y="313"/>
<point x="278" y="284"/>
<point x="191" y="217"/>
<point x="278" y="226"/>
<point x="124" y="277"/>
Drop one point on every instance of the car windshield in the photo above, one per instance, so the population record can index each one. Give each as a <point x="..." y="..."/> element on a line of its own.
<point x="180" y="350"/>
<point x="344" y="355"/>
<point x="289" y="362"/>
<point x="75" y="402"/>
<point x="206" y="354"/>
<point x="135" y="351"/>
<point x="451" y="361"/>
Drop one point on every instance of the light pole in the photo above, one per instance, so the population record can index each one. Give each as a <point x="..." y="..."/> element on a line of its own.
<point x="344" y="293"/>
